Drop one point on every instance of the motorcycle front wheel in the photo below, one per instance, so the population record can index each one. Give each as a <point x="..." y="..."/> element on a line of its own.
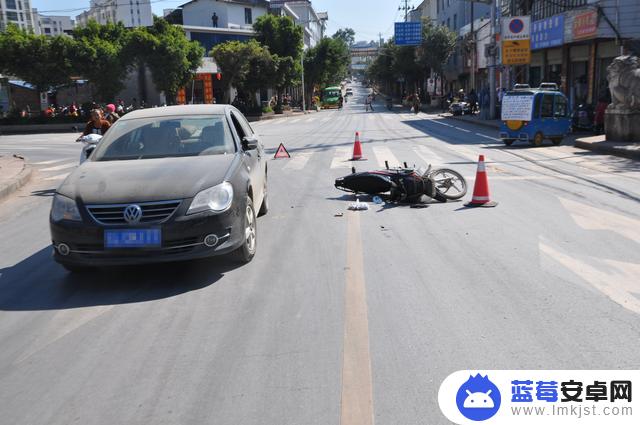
<point x="449" y="184"/>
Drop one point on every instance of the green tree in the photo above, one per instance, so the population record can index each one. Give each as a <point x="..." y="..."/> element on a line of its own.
<point x="348" y="35"/>
<point x="438" y="44"/>
<point x="247" y="66"/>
<point x="100" y="54"/>
<point x="169" y="54"/>
<point x="285" y="41"/>
<point x="325" y="64"/>
<point x="39" y="60"/>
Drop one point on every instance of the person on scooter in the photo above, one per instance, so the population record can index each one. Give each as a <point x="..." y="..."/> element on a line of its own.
<point x="340" y="101"/>
<point x="97" y="125"/>
<point x="111" y="114"/>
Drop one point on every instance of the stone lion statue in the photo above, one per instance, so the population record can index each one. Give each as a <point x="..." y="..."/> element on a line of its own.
<point x="624" y="82"/>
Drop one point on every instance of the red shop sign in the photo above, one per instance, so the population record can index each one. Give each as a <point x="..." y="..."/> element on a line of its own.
<point x="585" y="25"/>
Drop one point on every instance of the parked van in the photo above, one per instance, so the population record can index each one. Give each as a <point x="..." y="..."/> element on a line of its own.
<point x="534" y="115"/>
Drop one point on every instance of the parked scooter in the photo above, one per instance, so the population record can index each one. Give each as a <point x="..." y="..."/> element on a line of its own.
<point x="89" y="142"/>
<point x="582" y="118"/>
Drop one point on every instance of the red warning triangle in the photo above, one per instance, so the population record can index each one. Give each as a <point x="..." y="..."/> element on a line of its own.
<point x="282" y="152"/>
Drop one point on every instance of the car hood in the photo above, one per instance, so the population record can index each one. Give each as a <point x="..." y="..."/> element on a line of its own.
<point x="97" y="182"/>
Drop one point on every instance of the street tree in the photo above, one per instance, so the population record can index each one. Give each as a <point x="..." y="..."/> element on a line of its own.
<point x="438" y="44"/>
<point x="326" y="63"/>
<point x="232" y="57"/>
<point x="38" y="60"/>
<point x="348" y="35"/>
<point x="170" y="55"/>
<point x="100" y="54"/>
<point x="285" y="41"/>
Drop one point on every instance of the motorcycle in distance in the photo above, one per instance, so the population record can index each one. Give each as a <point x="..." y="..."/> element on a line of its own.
<point x="89" y="142"/>
<point x="582" y="118"/>
<point x="405" y="184"/>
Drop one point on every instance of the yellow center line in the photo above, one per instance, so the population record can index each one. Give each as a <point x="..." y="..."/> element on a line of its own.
<point x="357" y="392"/>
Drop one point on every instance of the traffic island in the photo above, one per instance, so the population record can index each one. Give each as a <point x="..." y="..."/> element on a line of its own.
<point x="14" y="173"/>
<point x="600" y="144"/>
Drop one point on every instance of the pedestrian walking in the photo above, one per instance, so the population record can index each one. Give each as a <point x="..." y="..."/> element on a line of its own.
<point x="368" y="104"/>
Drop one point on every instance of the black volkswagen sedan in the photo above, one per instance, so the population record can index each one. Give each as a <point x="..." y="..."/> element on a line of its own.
<point x="164" y="184"/>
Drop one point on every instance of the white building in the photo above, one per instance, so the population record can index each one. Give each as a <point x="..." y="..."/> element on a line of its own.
<point x="51" y="25"/>
<point x="302" y="12"/>
<point x="16" y="12"/>
<point x="231" y="14"/>
<point x="132" y="13"/>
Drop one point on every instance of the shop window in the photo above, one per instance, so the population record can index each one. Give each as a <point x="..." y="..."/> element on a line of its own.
<point x="561" y="106"/>
<point x="547" y="106"/>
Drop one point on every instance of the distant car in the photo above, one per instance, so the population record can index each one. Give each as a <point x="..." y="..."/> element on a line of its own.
<point x="349" y="92"/>
<point x="164" y="184"/>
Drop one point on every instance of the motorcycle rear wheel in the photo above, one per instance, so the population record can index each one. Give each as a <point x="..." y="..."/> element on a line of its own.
<point x="449" y="184"/>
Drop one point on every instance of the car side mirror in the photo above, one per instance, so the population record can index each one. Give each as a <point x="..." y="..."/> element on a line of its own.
<point x="249" y="143"/>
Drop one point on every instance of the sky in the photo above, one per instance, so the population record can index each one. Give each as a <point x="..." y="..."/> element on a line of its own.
<point x="366" y="17"/>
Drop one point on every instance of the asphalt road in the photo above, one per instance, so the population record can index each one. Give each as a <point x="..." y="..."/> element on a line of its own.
<point x="338" y="320"/>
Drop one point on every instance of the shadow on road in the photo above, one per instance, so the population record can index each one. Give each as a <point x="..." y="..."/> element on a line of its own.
<point x="38" y="283"/>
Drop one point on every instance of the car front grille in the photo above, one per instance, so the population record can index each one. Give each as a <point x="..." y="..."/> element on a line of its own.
<point x="152" y="212"/>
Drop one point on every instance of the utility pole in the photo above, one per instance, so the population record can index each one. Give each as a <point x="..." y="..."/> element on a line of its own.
<point x="473" y="52"/>
<point x="406" y="9"/>
<point x="492" y="64"/>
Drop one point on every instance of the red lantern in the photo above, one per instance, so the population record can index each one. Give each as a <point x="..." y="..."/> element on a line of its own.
<point x="219" y="76"/>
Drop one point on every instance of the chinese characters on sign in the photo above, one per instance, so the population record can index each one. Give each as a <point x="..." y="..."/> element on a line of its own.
<point x="408" y="33"/>
<point x="522" y="391"/>
<point x="516" y="28"/>
<point x="585" y="25"/>
<point x="547" y="32"/>
<point x="516" y="52"/>
<point x="517" y="108"/>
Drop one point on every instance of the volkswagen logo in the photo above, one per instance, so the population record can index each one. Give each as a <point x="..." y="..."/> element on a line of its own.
<point x="133" y="214"/>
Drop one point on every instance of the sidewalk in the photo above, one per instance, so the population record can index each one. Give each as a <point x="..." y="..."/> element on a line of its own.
<point x="474" y="119"/>
<point x="599" y="144"/>
<point x="14" y="173"/>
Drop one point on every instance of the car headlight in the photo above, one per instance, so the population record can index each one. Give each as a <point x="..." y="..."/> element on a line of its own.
<point x="217" y="198"/>
<point x="64" y="208"/>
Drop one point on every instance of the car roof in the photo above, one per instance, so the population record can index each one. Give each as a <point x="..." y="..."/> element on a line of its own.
<point x="177" y="110"/>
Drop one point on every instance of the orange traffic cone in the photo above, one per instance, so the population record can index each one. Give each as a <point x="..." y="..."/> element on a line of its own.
<point x="481" y="197"/>
<point x="357" y="149"/>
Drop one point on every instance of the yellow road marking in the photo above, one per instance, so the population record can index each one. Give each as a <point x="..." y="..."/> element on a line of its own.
<point x="357" y="389"/>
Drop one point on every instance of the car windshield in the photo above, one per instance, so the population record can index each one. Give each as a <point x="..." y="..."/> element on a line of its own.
<point x="163" y="137"/>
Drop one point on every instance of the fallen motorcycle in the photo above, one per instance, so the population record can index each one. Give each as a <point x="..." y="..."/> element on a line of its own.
<point x="405" y="184"/>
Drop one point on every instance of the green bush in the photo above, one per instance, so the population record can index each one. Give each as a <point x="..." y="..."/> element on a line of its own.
<point x="267" y="109"/>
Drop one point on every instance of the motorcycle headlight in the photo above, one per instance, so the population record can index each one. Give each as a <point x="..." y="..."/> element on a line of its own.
<point x="64" y="208"/>
<point x="217" y="198"/>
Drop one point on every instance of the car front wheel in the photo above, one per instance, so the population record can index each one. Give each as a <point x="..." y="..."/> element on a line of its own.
<point x="247" y="250"/>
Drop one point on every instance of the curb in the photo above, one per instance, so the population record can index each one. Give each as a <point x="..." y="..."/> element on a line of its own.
<point x="610" y="150"/>
<point x="481" y="123"/>
<point x="20" y="180"/>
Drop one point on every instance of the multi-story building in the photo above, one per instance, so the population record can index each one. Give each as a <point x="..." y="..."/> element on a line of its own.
<point x="303" y="13"/>
<point x="363" y="53"/>
<point x="51" y="25"/>
<point x="132" y="13"/>
<point x="16" y="12"/>
<point x="572" y="44"/>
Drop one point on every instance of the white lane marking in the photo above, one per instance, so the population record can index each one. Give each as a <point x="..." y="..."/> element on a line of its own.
<point x="387" y="116"/>
<point x="51" y="161"/>
<point x="298" y="161"/>
<point x="441" y="123"/>
<point x="295" y="120"/>
<point x="488" y="137"/>
<point x="462" y="129"/>
<point x="341" y="158"/>
<point x="22" y="148"/>
<point x="57" y="177"/>
<point x="427" y="155"/>
<point x="618" y="280"/>
<point x="61" y="167"/>
<point x="592" y="218"/>
<point x="383" y="154"/>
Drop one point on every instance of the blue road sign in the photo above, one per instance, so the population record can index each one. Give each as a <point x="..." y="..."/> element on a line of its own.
<point x="547" y="32"/>
<point x="408" y="33"/>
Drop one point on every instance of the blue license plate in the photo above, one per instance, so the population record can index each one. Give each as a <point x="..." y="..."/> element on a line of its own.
<point x="132" y="238"/>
